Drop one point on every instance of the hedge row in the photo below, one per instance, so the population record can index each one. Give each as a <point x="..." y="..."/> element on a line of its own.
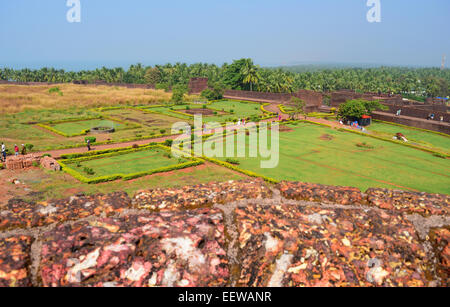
<point x="121" y="151"/>
<point x="240" y="170"/>
<point x="110" y="153"/>
<point x="84" y="132"/>
<point x="283" y="110"/>
<point x="410" y="127"/>
<point x="46" y="125"/>
<point x="103" y="152"/>
<point x="181" y="113"/>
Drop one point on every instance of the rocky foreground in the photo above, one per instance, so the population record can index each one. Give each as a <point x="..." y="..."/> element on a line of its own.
<point x="229" y="234"/>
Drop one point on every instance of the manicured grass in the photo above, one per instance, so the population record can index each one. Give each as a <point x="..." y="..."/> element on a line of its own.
<point x="306" y="155"/>
<point x="125" y="164"/>
<point x="422" y="138"/>
<point x="77" y="127"/>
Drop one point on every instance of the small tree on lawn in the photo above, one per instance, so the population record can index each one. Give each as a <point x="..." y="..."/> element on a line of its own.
<point x="178" y="92"/>
<point x="298" y="106"/>
<point x="355" y="109"/>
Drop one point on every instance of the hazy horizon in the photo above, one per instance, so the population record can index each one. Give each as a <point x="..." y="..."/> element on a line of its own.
<point x="36" y="34"/>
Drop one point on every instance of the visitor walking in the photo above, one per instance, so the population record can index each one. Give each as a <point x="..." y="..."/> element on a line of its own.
<point x="89" y="145"/>
<point x="24" y="150"/>
<point x="3" y="152"/>
<point x="16" y="150"/>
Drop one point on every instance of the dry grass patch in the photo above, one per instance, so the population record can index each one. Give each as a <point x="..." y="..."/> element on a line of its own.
<point x="18" y="98"/>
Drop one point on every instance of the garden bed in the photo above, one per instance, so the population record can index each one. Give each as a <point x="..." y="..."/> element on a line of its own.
<point x="126" y="164"/>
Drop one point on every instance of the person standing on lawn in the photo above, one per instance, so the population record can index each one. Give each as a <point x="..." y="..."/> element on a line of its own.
<point x="3" y="152"/>
<point x="16" y="150"/>
<point x="24" y="150"/>
<point x="89" y="144"/>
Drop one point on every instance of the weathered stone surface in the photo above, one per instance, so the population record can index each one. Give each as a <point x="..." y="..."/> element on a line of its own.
<point x="409" y="202"/>
<point x="20" y="162"/>
<point x="50" y="164"/>
<point x="441" y="241"/>
<point x="200" y="195"/>
<point x="321" y="193"/>
<point x="287" y="245"/>
<point x="15" y="261"/>
<point x="159" y="249"/>
<point x="20" y="214"/>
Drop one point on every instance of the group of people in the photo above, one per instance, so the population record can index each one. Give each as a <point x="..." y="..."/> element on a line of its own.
<point x="16" y="151"/>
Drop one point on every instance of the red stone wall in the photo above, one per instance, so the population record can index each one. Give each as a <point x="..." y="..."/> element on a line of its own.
<point x="340" y="97"/>
<point x="419" y="112"/>
<point x="413" y="122"/>
<point x="313" y="99"/>
<point x="197" y="85"/>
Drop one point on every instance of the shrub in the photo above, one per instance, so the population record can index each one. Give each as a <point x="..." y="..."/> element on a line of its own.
<point x="216" y="93"/>
<point x="439" y="155"/>
<point x="162" y="86"/>
<point x="178" y="92"/>
<point x="233" y="161"/>
<point x="29" y="147"/>
<point x="135" y="146"/>
<point x="88" y="170"/>
<point x="168" y="143"/>
<point x="91" y="139"/>
<point x="163" y="131"/>
<point x="55" y="90"/>
<point x="46" y="155"/>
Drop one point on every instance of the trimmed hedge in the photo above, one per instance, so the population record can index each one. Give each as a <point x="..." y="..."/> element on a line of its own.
<point x="120" y="151"/>
<point x="240" y="170"/>
<point x="46" y="125"/>
<point x="413" y="128"/>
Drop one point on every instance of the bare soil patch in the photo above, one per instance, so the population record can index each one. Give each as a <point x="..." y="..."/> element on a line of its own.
<point x="205" y="112"/>
<point x="326" y="137"/>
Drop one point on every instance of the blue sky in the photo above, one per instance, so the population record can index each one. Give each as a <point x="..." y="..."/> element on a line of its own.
<point x="119" y="33"/>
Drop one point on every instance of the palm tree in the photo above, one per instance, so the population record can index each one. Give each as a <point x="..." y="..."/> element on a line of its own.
<point x="250" y="73"/>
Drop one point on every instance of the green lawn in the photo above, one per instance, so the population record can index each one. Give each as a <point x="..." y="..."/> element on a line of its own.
<point x="240" y="110"/>
<point x="130" y="163"/>
<point x="422" y="138"/>
<point x="306" y="155"/>
<point x="77" y="127"/>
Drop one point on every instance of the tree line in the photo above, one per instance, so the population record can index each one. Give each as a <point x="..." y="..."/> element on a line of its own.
<point x="243" y="74"/>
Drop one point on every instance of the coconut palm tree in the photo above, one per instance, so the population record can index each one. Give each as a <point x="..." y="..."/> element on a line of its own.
<point x="250" y="73"/>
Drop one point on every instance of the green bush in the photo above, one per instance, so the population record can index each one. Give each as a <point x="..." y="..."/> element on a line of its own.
<point x="178" y="92"/>
<point x="91" y="139"/>
<point x="233" y="161"/>
<point x="89" y="171"/>
<point x="168" y="143"/>
<point x="162" y="86"/>
<point x="29" y="147"/>
<point x="55" y="90"/>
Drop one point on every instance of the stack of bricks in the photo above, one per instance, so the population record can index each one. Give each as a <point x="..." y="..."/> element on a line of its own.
<point x="21" y="162"/>
<point x="50" y="163"/>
